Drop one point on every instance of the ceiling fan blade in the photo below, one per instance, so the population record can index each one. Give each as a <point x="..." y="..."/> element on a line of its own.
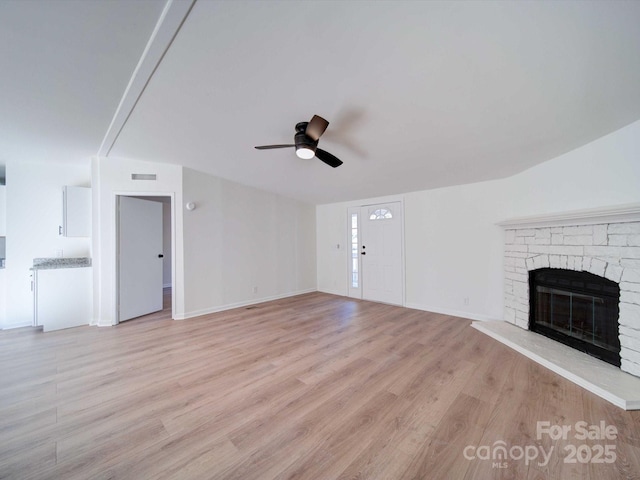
<point x="327" y="158"/>
<point x="269" y="147"/>
<point x="316" y="127"/>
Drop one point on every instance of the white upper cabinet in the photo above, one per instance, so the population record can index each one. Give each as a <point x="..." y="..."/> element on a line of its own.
<point x="76" y="218"/>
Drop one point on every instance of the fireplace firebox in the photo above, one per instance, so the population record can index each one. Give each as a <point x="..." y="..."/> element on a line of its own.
<point x="579" y="309"/>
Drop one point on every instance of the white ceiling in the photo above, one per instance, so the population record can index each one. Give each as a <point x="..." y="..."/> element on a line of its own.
<point x="63" y="68"/>
<point x="419" y="94"/>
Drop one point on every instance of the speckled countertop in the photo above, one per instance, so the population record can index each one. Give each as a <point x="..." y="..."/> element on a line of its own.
<point x="52" y="263"/>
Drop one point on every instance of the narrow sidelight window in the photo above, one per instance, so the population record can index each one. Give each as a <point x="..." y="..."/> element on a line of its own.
<point x="354" y="251"/>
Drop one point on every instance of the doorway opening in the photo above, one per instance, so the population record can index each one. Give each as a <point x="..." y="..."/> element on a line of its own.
<point x="145" y="253"/>
<point x="376" y="252"/>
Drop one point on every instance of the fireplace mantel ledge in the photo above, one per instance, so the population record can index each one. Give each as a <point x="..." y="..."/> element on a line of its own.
<point x="616" y="214"/>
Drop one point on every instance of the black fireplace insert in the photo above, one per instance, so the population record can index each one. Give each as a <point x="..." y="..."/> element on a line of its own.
<point x="579" y="309"/>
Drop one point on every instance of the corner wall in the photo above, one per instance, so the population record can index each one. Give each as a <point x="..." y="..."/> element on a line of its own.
<point x="453" y="247"/>
<point x="112" y="177"/>
<point x="243" y="245"/>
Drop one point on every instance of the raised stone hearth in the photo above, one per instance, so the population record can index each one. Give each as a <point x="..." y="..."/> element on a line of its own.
<point x="604" y="242"/>
<point x="596" y="376"/>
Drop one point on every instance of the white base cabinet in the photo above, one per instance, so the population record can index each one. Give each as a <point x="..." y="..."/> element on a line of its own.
<point x="63" y="297"/>
<point x="3" y="297"/>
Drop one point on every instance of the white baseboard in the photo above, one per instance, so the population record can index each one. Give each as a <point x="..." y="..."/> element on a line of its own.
<point x="425" y="308"/>
<point x="230" y="306"/>
<point x="16" y="325"/>
<point x="333" y="292"/>
<point x="103" y="324"/>
<point x="453" y="313"/>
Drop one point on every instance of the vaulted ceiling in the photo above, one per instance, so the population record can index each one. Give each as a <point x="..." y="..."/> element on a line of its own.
<point x="419" y="95"/>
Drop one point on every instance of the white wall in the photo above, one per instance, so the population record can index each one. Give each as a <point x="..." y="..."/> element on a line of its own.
<point x="3" y="227"/>
<point x="166" y="245"/>
<point x="239" y="238"/>
<point x="112" y="177"/>
<point x="34" y="213"/>
<point x="453" y="248"/>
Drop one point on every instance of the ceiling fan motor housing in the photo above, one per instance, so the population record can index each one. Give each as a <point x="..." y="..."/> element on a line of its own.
<point x="303" y="141"/>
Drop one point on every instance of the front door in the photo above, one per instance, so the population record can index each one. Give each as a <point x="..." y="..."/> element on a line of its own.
<point x="139" y="257"/>
<point x="376" y="271"/>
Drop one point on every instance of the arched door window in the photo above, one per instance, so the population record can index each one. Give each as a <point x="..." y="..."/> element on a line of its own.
<point x="381" y="214"/>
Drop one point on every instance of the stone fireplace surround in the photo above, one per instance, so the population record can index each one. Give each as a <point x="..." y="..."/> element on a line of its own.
<point x="602" y="241"/>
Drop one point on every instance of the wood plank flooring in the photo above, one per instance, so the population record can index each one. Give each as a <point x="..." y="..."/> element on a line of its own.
<point x="310" y="387"/>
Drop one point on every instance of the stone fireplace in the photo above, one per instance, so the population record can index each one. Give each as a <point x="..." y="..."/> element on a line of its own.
<point x="604" y="243"/>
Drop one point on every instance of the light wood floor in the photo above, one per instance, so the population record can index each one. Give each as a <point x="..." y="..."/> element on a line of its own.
<point x="311" y="387"/>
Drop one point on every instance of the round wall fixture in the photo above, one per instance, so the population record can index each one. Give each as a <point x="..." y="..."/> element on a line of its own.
<point x="191" y="206"/>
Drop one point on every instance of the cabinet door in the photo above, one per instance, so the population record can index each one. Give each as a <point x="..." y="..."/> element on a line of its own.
<point x="3" y="210"/>
<point x="76" y="212"/>
<point x="64" y="298"/>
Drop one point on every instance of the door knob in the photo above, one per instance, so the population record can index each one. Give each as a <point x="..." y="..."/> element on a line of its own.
<point x="363" y="253"/>
<point x="160" y="255"/>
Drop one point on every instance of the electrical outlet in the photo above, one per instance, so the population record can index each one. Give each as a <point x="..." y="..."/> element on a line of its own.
<point x="59" y="253"/>
<point x="255" y="289"/>
<point x="466" y="300"/>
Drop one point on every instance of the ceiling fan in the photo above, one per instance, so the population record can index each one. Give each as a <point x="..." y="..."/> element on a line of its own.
<point x="306" y="142"/>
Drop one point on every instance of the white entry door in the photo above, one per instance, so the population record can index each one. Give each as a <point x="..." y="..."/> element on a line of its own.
<point x="376" y="263"/>
<point x="139" y="257"/>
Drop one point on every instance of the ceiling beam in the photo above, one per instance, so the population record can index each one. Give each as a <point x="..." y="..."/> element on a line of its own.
<point x="173" y="16"/>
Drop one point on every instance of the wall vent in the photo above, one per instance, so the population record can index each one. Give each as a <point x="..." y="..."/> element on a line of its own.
<point x="143" y="176"/>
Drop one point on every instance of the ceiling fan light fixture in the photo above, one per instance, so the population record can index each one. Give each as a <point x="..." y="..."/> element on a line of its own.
<point x="306" y="142"/>
<point x="305" y="152"/>
<point x="305" y="146"/>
